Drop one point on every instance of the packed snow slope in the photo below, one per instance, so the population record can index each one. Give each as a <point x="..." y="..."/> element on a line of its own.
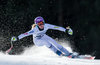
<point x="42" y="56"/>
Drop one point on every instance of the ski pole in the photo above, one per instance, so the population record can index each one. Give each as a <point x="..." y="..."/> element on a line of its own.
<point x="8" y="51"/>
<point x="12" y="40"/>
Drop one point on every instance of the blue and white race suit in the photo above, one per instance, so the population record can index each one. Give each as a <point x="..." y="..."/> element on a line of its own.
<point x="41" y="39"/>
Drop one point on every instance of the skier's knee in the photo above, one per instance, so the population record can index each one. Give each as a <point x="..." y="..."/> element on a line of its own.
<point x="50" y="46"/>
<point x="53" y="48"/>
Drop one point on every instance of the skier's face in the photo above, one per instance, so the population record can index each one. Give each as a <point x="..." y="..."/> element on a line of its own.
<point x="41" y="25"/>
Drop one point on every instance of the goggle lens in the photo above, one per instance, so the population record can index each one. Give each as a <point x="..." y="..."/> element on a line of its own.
<point x="40" y="23"/>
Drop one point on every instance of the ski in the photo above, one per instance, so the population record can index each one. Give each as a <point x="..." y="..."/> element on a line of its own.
<point x="83" y="57"/>
<point x="86" y="57"/>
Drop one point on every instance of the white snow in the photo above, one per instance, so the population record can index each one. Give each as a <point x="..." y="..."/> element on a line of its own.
<point x="42" y="56"/>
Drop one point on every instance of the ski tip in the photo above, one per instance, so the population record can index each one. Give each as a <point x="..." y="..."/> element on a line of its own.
<point x="91" y="58"/>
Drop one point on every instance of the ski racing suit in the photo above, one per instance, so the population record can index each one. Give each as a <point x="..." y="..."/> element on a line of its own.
<point x="41" y="39"/>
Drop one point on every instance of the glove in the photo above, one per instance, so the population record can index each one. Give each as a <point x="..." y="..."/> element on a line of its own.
<point x="69" y="31"/>
<point x="14" y="39"/>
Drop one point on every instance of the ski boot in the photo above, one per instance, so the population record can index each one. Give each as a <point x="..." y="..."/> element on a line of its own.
<point x="72" y="55"/>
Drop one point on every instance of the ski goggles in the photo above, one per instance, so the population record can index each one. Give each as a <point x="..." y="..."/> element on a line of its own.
<point x="40" y="23"/>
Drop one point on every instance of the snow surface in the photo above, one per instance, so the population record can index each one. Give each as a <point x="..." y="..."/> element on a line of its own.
<point x="42" y="56"/>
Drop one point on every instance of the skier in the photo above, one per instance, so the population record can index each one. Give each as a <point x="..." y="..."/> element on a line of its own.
<point x="40" y="38"/>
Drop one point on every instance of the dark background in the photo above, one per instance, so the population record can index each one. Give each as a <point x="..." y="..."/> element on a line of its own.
<point x="17" y="16"/>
